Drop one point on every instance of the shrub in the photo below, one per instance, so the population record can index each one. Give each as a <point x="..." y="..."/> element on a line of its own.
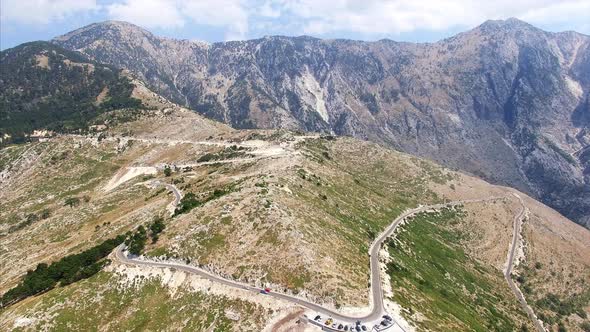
<point x="156" y="227"/>
<point x="136" y="243"/>
<point x="187" y="203"/>
<point x="45" y="214"/>
<point x="72" y="201"/>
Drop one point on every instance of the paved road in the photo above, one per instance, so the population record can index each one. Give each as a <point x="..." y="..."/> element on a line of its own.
<point x="508" y="273"/>
<point x="177" y="194"/>
<point x="376" y="303"/>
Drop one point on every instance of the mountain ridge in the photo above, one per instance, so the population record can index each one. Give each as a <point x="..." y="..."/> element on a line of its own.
<point x="505" y="101"/>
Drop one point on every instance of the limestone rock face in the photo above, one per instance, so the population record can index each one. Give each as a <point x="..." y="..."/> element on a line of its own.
<point x="505" y="101"/>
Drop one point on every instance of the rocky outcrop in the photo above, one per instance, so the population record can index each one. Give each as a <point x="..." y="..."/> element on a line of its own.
<point x="505" y="101"/>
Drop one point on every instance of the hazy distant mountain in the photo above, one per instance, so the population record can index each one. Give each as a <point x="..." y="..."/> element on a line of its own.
<point x="505" y="101"/>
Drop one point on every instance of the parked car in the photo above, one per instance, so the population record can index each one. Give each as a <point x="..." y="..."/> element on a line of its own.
<point x="364" y="328"/>
<point x="317" y="318"/>
<point x="387" y="317"/>
<point x="340" y="327"/>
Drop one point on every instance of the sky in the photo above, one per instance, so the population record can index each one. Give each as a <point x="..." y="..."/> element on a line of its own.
<point x="221" y="20"/>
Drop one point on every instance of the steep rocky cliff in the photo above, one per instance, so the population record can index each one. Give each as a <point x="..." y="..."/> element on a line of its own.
<point x="505" y="101"/>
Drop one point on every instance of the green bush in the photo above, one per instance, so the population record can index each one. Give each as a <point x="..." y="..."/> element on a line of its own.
<point x="72" y="201"/>
<point x="156" y="227"/>
<point x="136" y="243"/>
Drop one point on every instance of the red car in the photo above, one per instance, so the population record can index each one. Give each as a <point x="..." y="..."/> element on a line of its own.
<point x="265" y="291"/>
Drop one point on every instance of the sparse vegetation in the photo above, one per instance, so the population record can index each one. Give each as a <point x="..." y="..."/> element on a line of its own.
<point x="228" y="153"/>
<point x="434" y="276"/>
<point x="150" y="304"/>
<point x="559" y="151"/>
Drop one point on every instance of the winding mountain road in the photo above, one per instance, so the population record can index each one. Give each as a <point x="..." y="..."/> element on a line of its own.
<point x="517" y="227"/>
<point x="376" y="299"/>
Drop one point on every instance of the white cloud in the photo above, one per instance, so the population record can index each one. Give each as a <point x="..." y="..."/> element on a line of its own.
<point x="267" y="9"/>
<point x="147" y="13"/>
<point x="240" y="19"/>
<point x="43" y="11"/>
<point x="229" y="14"/>
<point x="559" y="12"/>
<point x="397" y="16"/>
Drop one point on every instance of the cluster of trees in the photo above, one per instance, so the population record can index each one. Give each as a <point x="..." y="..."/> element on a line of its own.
<point x="187" y="203"/>
<point x="80" y="266"/>
<point x="63" y="272"/>
<point x="156" y="227"/>
<point x="190" y="201"/>
<point x="230" y="152"/>
<point x="136" y="242"/>
<point x="563" y="308"/>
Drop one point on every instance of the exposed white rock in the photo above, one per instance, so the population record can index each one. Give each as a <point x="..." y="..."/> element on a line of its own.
<point x="314" y="88"/>
<point x="574" y="87"/>
<point x="127" y="174"/>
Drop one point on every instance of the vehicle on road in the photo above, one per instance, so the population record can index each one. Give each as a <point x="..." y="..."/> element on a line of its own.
<point x="265" y="291"/>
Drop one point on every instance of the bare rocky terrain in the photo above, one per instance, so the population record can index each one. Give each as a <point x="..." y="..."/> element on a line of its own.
<point x="505" y="101"/>
<point x="296" y="212"/>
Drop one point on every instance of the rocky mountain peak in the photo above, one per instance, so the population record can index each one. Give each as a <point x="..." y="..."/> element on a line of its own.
<point x="497" y="101"/>
<point x="106" y="29"/>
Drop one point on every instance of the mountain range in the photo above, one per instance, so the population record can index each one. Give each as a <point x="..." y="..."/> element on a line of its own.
<point x="506" y="101"/>
<point x="119" y="196"/>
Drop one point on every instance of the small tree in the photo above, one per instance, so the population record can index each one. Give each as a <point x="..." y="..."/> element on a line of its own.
<point x="167" y="170"/>
<point x="45" y="214"/>
<point x="137" y="241"/>
<point x="31" y="218"/>
<point x="156" y="227"/>
<point x="72" y="201"/>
